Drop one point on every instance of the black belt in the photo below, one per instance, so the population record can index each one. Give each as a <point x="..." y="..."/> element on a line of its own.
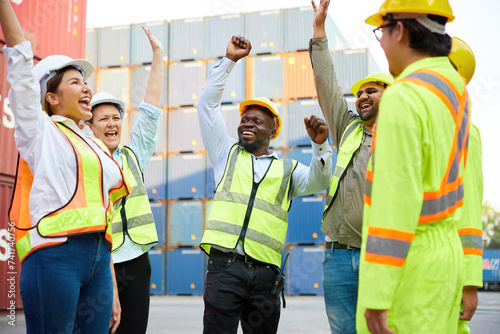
<point x="336" y="245"/>
<point x="235" y="256"/>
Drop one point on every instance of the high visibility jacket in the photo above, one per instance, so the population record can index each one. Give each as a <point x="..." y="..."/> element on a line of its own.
<point x="84" y="213"/>
<point x="255" y="213"/>
<point x="414" y="188"/>
<point x="136" y="219"/>
<point x="349" y="144"/>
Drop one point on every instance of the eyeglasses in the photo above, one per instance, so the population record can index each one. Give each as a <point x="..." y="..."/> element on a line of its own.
<point x="378" y="31"/>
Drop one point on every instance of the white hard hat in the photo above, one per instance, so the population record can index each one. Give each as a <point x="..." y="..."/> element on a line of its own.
<point x="48" y="67"/>
<point x="107" y="98"/>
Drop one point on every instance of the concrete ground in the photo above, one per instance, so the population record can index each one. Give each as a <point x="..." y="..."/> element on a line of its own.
<point x="304" y="314"/>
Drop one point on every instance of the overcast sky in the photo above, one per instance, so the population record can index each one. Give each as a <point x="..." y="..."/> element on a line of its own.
<point x="476" y="23"/>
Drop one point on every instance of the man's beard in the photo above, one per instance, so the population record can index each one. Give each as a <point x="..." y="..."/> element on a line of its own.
<point x="251" y="147"/>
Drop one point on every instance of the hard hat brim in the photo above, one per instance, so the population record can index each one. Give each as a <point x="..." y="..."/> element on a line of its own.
<point x="374" y="77"/>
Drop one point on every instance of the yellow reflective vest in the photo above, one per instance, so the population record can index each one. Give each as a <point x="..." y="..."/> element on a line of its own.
<point x="85" y="211"/>
<point x="349" y="144"/>
<point x="255" y="213"/>
<point x="136" y="218"/>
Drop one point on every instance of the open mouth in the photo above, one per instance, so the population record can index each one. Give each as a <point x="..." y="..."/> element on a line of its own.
<point x="365" y="105"/>
<point x="85" y="103"/>
<point x="248" y="134"/>
<point x="111" y="134"/>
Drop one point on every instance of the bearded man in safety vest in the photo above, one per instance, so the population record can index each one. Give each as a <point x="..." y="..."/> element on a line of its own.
<point x="343" y="214"/>
<point x="245" y="232"/>
<point x="411" y="259"/>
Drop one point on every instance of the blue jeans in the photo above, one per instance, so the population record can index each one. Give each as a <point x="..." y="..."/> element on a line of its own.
<point x="340" y="285"/>
<point x="68" y="288"/>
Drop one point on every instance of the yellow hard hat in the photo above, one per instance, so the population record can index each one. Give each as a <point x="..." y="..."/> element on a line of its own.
<point x="374" y="77"/>
<point x="463" y="58"/>
<point x="264" y="102"/>
<point x="434" y="7"/>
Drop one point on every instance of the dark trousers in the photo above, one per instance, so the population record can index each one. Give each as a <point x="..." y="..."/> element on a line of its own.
<point x="133" y="278"/>
<point x="234" y="291"/>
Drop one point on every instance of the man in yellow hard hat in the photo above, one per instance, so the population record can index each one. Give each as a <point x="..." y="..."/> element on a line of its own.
<point x="411" y="256"/>
<point x="343" y="213"/>
<point x="245" y="232"/>
<point x="470" y="223"/>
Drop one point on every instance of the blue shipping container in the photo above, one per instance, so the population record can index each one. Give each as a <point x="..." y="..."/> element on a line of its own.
<point x="185" y="82"/>
<point x="115" y="81"/>
<point x="187" y="39"/>
<point x="220" y="29"/>
<point x="159" y="210"/>
<point x="186" y="269"/>
<point x="186" y="176"/>
<point x="234" y="91"/>
<point x="113" y="46"/>
<point x="265" y="31"/>
<point x="296" y="132"/>
<point x="157" y="259"/>
<point x="185" y="223"/>
<point x="491" y="265"/>
<point x="155" y="178"/>
<point x="305" y="271"/>
<point x="140" y="48"/>
<point x="266" y="78"/>
<point x="184" y="131"/>
<point x="304" y="221"/>
<point x="350" y="66"/>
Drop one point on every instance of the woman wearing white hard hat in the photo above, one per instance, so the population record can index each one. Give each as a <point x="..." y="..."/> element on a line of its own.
<point x="133" y="229"/>
<point x="65" y="187"/>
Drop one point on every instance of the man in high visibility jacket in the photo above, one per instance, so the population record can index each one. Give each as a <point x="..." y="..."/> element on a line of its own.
<point x="245" y="232"/>
<point x="133" y="229"/>
<point x="470" y="223"/>
<point x="411" y="256"/>
<point x="343" y="215"/>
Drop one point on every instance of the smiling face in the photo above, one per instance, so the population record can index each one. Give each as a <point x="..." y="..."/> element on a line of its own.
<point x="71" y="98"/>
<point x="368" y="100"/>
<point x="255" y="131"/>
<point x="106" y="124"/>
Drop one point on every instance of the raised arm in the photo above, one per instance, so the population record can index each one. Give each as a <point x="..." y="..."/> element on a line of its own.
<point x="153" y="90"/>
<point x="330" y="95"/>
<point x="10" y="25"/>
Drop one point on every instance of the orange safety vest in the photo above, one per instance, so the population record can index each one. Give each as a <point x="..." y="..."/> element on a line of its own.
<point x="85" y="211"/>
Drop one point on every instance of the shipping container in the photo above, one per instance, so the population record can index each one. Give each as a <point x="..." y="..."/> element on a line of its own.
<point x="304" y="221"/>
<point x="161" y="146"/>
<point x="186" y="176"/>
<point x="296" y="133"/>
<point x="140" y="48"/>
<point x="187" y="39"/>
<point x="298" y="76"/>
<point x="351" y="103"/>
<point x="185" y="223"/>
<point x="184" y="131"/>
<point x="10" y="267"/>
<point x="53" y="27"/>
<point x="234" y="91"/>
<point x="265" y="31"/>
<point x="220" y="29"/>
<point x="159" y="210"/>
<point x="491" y="267"/>
<point x="113" y="46"/>
<point x="115" y="81"/>
<point x="91" y="81"/>
<point x="350" y="66"/>
<point x="91" y="45"/>
<point x="232" y="118"/>
<point x="185" y="82"/>
<point x="186" y="269"/>
<point x="265" y="77"/>
<point x="157" y="258"/>
<point x="155" y="178"/>
<point x="305" y="271"/>
<point x="139" y="82"/>
<point x="299" y="30"/>
<point x="8" y="153"/>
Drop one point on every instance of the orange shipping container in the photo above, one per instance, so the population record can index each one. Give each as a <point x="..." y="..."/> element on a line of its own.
<point x="298" y="76"/>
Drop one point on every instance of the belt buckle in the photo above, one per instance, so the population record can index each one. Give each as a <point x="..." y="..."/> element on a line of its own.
<point x="247" y="260"/>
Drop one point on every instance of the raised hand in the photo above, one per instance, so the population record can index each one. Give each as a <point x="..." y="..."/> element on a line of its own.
<point x="316" y="129"/>
<point x="319" y="18"/>
<point x="238" y="48"/>
<point x="155" y="43"/>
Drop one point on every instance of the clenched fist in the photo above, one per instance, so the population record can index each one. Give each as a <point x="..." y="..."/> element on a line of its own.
<point x="238" y="48"/>
<point x="316" y="129"/>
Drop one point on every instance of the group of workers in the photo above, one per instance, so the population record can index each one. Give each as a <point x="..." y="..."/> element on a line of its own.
<point x="403" y="240"/>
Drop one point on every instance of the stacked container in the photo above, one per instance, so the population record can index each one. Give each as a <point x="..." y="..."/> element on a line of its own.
<point x="180" y="177"/>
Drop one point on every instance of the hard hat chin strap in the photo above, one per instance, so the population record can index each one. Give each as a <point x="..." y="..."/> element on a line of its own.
<point x="423" y="19"/>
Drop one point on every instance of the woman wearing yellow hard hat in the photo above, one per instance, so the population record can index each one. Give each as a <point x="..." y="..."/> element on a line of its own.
<point x="411" y="256"/>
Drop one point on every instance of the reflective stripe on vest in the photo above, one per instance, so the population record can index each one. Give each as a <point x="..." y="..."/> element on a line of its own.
<point x="472" y="241"/>
<point x="349" y="143"/>
<point x="140" y="223"/>
<point x="444" y="201"/>
<point x="255" y="213"/>
<point x="83" y="213"/>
